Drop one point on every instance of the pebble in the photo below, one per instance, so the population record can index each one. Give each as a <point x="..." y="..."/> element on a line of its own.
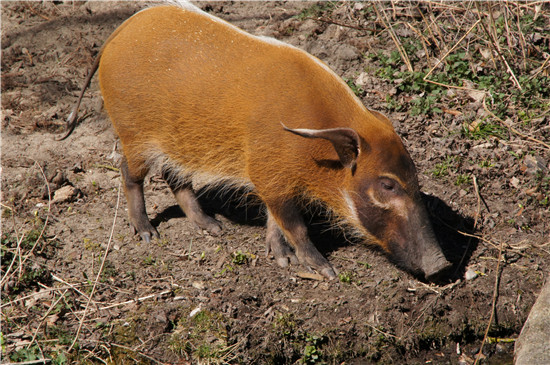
<point x="470" y="275"/>
<point x="64" y="194"/>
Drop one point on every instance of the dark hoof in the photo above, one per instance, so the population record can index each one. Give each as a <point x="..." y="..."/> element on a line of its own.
<point x="329" y="273"/>
<point x="282" y="252"/>
<point x="211" y="225"/>
<point x="146" y="234"/>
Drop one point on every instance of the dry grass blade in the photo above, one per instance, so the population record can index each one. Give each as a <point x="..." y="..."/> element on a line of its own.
<point x="98" y="273"/>
<point x="512" y="129"/>
<point x="19" y="255"/>
<point x="137" y="352"/>
<point x="451" y="50"/>
<point x="387" y="24"/>
<point x="494" y="44"/>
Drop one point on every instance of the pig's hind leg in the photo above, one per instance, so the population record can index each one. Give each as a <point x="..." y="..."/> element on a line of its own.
<point x="133" y="177"/>
<point x="189" y="203"/>
<point x="289" y="220"/>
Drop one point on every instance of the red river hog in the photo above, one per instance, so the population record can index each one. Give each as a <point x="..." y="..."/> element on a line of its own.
<point x="200" y="99"/>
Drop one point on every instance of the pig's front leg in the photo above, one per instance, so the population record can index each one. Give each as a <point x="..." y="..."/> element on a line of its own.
<point x="286" y="218"/>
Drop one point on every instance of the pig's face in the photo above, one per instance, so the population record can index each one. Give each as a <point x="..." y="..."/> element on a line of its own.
<point x="389" y="206"/>
<point x="382" y="194"/>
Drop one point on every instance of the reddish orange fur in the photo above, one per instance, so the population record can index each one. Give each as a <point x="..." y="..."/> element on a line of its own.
<point x="209" y="99"/>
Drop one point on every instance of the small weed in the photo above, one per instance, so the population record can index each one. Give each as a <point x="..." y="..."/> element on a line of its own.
<point x="345" y="277"/>
<point x="285" y="325"/>
<point x="486" y="163"/>
<point x="366" y="265"/>
<point x="109" y="271"/>
<point x="477" y="130"/>
<point x="442" y="169"/>
<point x="91" y="245"/>
<point x="6" y="213"/>
<point x="315" y="10"/>
<point x="26" y="354"/>
<point x="357" y="90"/>
<point x="203" y="337"/>
<point x="149" y="260"/>
<point x="463" y="179"/>
<point x="242" y="258"/>
<point x="312" y="351"/>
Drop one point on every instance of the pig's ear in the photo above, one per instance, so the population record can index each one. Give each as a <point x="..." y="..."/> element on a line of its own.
<point x="344" y="140"/>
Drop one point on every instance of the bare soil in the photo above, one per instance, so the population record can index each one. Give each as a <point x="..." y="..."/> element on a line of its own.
<point x="191" y="297"/>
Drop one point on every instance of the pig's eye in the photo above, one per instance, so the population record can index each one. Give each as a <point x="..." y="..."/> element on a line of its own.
<point x="388" y="185"/>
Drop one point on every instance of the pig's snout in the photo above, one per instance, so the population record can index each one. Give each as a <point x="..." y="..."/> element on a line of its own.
<point x="434" y="265"/>
<point x="431" y="260"/>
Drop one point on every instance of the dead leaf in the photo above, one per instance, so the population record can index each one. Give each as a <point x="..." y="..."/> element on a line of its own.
<point x="476" y="95"/>
<point x="452" y="112"/>
<point x="310" y="276"/>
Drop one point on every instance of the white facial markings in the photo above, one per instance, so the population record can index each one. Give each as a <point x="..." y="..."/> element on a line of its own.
<point x="377" y="202"/>
<point x="351" y="206"/>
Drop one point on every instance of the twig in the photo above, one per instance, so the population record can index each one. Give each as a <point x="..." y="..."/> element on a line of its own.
<point x="382" y="332"/>
<point x="56" y="278"/>
<point x="137" y="300"/>
<point x="39" y="361"/>
<point x="330" y="21"/>
<point x="137" y="352"/>
<point x="19" y="240"/>
<point x="98" y="273"/>
<point x="496" y="47"/>
<point x="512" y="128"/>
<point x="35" y="294"/>
<point x="493" y="305"/>
<point x="46" y="316"/>
<point x="398" y="44"/>
<point x="451" y="50"/>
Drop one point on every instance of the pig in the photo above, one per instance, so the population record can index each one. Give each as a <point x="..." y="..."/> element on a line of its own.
<point x="201" y="100"/>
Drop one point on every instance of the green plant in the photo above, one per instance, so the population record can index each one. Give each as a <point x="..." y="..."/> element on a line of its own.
<point x="203" y="337"/>
<point x="463" y="179"/>
<point x="357" y="90"/>
<point x="442" y="169"/>
<point x="312" y="351"/>
<point x="26" y="354"/>
<point x="241" y="258"/>
<point x="315" y="10"/>
<point x="345" y="277"/>
<point x="477" y="130"/>
<point x="149" y="260"/>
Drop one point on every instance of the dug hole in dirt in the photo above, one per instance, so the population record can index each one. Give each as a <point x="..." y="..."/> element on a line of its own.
<point x="190" y="297"/>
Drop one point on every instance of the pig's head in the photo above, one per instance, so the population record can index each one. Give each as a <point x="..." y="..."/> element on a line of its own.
<point x="382" y="195"/>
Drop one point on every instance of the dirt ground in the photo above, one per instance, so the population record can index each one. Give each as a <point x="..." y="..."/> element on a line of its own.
<point x="194" y="298"/>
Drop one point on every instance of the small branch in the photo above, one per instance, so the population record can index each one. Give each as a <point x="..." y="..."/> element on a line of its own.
<point x="495" y="46"/>
<point x="400" y="48"/>
<point x="137" y="352"/>
<point x="493" y="305"/>
<point x="137" y="300"/>
<point x="451" y="50"/>
<point x="7" y="274"/>
<point x="46" y="316"/>
<point x="39" y="361"/>
<point x="512" y="128"/>
<point x="330" y="21"/>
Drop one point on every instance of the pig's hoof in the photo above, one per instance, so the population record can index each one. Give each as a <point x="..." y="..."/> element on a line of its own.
<point x="146" y="233"/>
<point x="311" y="258"/>
<point x="282" y="252"/>
<point x="209" y="224"/>
<point x="328" y="272"/>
